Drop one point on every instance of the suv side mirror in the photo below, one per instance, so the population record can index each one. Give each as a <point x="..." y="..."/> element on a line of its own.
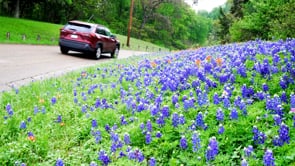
<point x="113" y="36"/>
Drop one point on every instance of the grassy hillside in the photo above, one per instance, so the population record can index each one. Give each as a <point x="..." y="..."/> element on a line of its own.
<point x="49" y="34"/>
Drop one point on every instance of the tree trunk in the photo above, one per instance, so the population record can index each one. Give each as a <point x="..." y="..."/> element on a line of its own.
<point x="16" y="14"/>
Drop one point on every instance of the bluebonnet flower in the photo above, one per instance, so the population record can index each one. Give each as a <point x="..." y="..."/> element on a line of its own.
<point x="160" y="120"/>
<point x="292" y="102"/>
<point x="43" y="109"/>
<point x="114" y="137"/>
<point x="9" y="110"/>
<point x="104" y="158"/>
<point x="175" y="99"/>
<point x="158" y="134"/>
<point x="175" y="120"/>
<point x="127" y="139"/>
<point x="277" y="119"/>
<point x="36" y="110"/>
<point x="196" y="141"/>
<point x="97" y="136"/>
<point x="152" y="162"/>
<point x="226" y="102"/>
<point x="284" y="133"/>
<point x="183" y="142"/>
<point x="165" y="111"/>
<point x="234" y="114"/>
<point x="84" y="108"/>
<point x="248" y="150"/>
<point x="59" y="119"/>
<point x="107" y="128"/>
<point x="244" y="90"/>
<point x="258" y="137"/>
<point x="123" y="120"/>
<point x="181" y="119"/>
<point x="154" y="110"/>
<point x="216" y="99"/>
<point x="212" y="149"/>
<point x="244" y="162"/>
<point x="53" y="100"/>
<point x="199" y="120"/>
<point x="75" y="100"/>
<point x="284" y="97"/>
<point x="142" y="126"/>
<point x="59" y="162"/>
<point x="23" y="125"/>
<point x="268" y="159"/>
<point x="94" y="123"/>
<point x="220" y="129"/>
<point x="148" y="138"/>
<point x="149" y="126"/>
<point x="219" y="114"/>
<point x="92" y="163"/>
<point x="277" y="141"/>
<point x="283" y="84"/>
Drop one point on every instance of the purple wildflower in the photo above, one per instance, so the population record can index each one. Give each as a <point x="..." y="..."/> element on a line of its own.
<point x="220" y="129"/>
<point x="175" y="120"/>
<point x="92" y="163"/>
<point x="244" y="162"/>
<point x="219" y="114"/>
<point x="277" y="119"/>
<point x="212" y="149"/>
<point x="258" y="136"/>
<point x="154" y="110"/>
<point x="158" y="134"/>
<point x="175" y="99"/>
<point x="160" y="120"/>
<point x="268" y="159"/>
<point x="53" y="100"/>
<point x="226" y="102"/>
<point x="123" y="120"/>
<point x="149" y="126"/>
<point x="127" y="139"/>
<point x="183" y="142"/>
<point x="196" y="141"/>
<point x="181" y="119"/>
<point x="284" y="133"/>
<point x="234" y="114"/>
<point x="199" y="120"/>
<point x="152" y="162"/>
<point x="104" y="158"/>
<point x="248" y="150"/>
<point x="94" y="123"/>
<point x="292" y="101"/>
<point x="59" y="162"/>
<point x="216" y="99"/>
<point x="265" y="87"/>
<point x="148" y="138"/>
<point x="23" y="125"/>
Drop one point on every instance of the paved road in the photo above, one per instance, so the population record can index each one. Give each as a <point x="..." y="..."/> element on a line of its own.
<point x="21" y="64"/>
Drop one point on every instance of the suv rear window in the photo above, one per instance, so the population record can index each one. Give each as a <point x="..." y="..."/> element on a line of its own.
<point x="78" y="27"/>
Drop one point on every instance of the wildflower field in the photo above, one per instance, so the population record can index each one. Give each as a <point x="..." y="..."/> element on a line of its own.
<point x="222" y="105"/>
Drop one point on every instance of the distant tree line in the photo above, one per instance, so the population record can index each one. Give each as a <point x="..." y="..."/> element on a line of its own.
<point x="243" y="20"/>
<point x="170" y="23"/>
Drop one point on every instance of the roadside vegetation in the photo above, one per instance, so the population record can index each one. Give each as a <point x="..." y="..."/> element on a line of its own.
<point x="224" y="105"/>
<point x="48" y="34"/>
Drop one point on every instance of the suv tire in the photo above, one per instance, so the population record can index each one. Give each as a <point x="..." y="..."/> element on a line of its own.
<point x="64" y="50"/>
<point x="97" y="53"/>
<point x="115" y="53"/>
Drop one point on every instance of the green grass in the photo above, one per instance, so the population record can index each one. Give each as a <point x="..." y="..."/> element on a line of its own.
<point x="49" y="34"/>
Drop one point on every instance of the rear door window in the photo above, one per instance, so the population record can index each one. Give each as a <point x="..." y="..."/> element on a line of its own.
<point x="78" y="27"/>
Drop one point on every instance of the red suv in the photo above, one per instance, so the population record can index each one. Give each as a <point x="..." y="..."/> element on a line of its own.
<point x="88" y="38"/>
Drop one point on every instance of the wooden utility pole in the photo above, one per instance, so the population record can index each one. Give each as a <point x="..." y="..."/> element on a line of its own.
<point x="130" y="23"/>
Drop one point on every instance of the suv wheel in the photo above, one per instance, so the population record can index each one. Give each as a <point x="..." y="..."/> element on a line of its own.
<point x="64" y="50"/>
<point x="98" y="52"/>
<point x="115" y="53"/>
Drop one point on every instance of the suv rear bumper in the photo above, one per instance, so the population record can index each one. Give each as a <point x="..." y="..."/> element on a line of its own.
<point x="76" y="46"/>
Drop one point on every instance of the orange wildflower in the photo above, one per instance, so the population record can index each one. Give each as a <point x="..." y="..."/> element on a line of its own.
<point x="84" y="74"/>
<point x="41" y="100"/>
<point x="62" y="123"/>
<point x="169" y="61"/>
<point x="219" y="61"/>
<point x="208" y="58"/>
<point x="198" y="62"/>
<point x="32" y="138"/>
<point x="153" y="64"/>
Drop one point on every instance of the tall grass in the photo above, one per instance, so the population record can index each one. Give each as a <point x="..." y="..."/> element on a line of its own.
<point x="49" y="33"/>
